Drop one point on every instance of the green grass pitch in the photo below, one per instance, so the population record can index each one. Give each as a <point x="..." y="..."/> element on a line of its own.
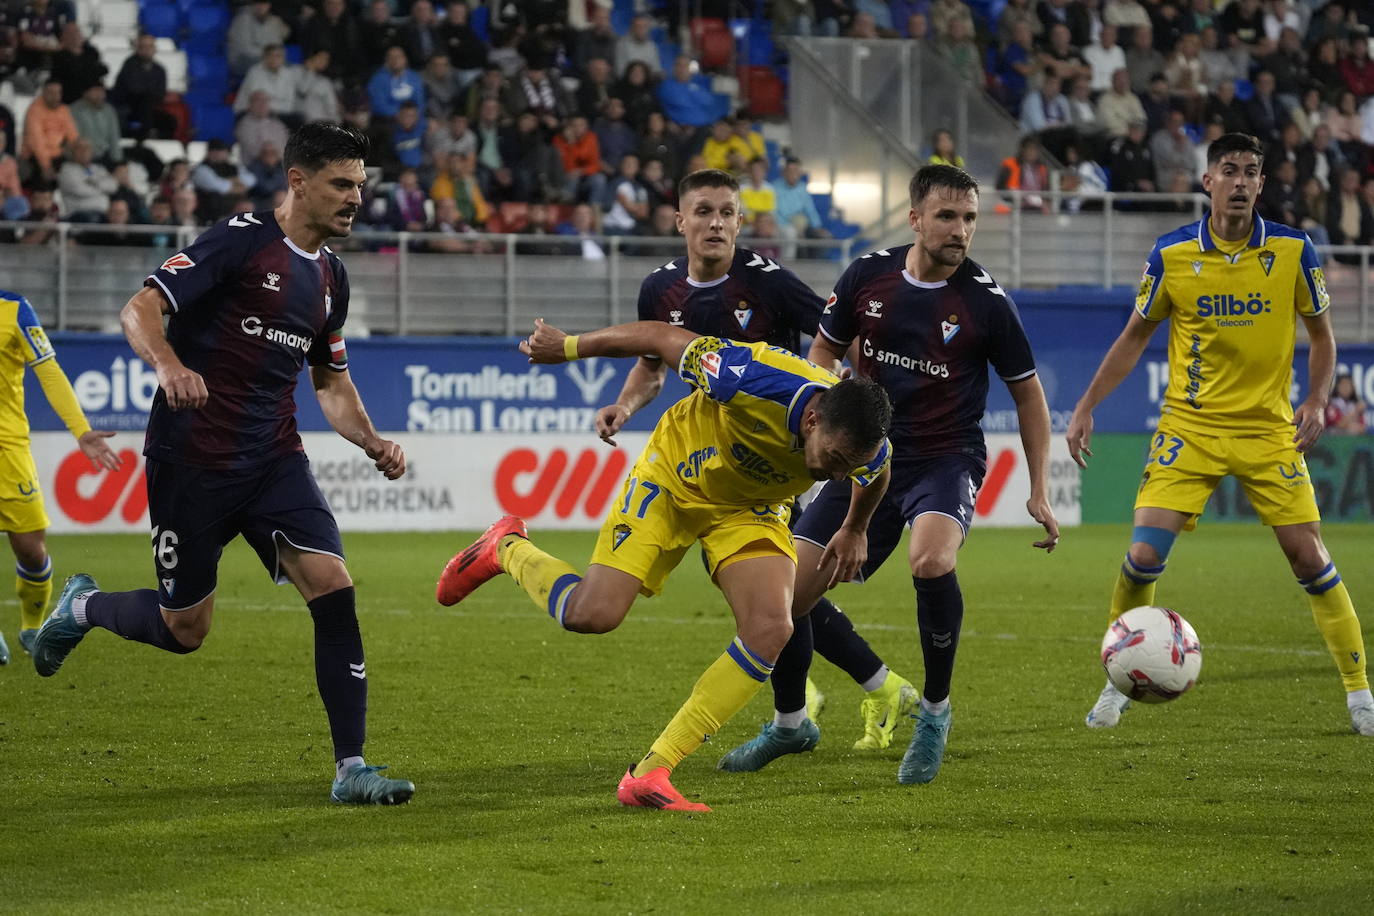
<point x="135" y="781"/>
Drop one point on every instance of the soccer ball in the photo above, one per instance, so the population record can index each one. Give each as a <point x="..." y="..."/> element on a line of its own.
<point x="1151" y="654"/>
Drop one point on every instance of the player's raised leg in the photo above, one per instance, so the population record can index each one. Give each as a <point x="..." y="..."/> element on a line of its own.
<point x="1152" y="539"/>
<point x="935" y="541"/>
<point x="758" y="586"/>
<point x="1334" y="614"/>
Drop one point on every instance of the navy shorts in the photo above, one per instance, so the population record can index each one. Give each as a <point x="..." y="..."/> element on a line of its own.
<point x="195" y="512"/>
<point x="946" y="484"/>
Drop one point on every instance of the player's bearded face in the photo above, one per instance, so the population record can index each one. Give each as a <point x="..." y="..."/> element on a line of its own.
<point x="709" y="218"/>
<point x="945" y="224"/>
<point x="333" y="196"/>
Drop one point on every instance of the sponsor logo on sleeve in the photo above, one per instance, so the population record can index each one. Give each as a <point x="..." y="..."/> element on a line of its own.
<point x="176" y="262"/>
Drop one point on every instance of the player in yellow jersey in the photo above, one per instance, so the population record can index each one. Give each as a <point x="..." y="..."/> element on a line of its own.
<point x="722" y="466"/>
<point x="22" y="517"/>
<point x="1233" y="286"/>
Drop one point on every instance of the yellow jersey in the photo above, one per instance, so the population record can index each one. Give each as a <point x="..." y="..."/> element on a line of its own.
<point x="1233" y="308"/>
<point x="22" y="343"/>
<point x="735" y="440"/>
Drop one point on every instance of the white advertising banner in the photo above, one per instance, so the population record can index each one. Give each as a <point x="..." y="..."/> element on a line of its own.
<point x="466" y="481"/>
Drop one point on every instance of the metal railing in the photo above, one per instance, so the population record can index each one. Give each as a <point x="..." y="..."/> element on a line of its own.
<point x="436" y="283"/>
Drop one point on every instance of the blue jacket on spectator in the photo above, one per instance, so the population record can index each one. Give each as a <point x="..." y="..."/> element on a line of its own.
<point x="386" y="92"/>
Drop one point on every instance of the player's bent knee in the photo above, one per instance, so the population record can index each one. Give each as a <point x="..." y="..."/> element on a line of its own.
<point x="1144" y="556"/>
<point x="589" y="612"/>
<point x="931" y="565"/>
<point x="767" y="637"/>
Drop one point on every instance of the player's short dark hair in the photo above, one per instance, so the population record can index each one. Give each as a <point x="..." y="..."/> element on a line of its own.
<point x="857" y="408"/>
<point x="1234" y="143"/>
<point x="930" y="177"/>
<point x="312" y="146"/>
<point x="706" y="178"/>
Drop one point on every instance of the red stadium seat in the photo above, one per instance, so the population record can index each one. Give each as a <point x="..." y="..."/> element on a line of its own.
<point x="714" y="43"/>
<point x="767" y="98"/>
<point x="514" y="216"/>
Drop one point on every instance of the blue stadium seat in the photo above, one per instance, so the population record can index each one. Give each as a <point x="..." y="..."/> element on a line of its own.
<point x="622" y="11"/>
<point x="208" y="17"/>
<point x="772" y="152"/>
<point x="1245" y="90"/>
<point x="207" y="71"/>
<point x="294" y="54"/>
<point x="161" y="19"/>
<point x="210" y="122"/>
<point x="761" y="50"/>
<point x="480" y="20"/>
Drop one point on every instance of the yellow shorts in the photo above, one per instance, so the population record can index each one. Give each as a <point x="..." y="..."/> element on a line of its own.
<point x="1184" y="468"/>
<point x="21" y="500"/>
<point x="649" y="529"/>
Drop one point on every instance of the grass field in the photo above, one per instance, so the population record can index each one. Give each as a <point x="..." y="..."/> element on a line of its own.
<point x="136" y="781"/>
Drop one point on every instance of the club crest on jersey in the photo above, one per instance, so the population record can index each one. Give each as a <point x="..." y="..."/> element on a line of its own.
<point x="1197" y="268"/>
<point x="743" y="314"/>
<point x="176" y="262"/>
<point x="328" y="303"/>
<point x="949" y="327"/>
<point x="1266" y="259"/>
<point x="618" y="535"/>
<point x="169" y="586"/>
<point x="875" y="309"/>
<point x="271" y="282"/>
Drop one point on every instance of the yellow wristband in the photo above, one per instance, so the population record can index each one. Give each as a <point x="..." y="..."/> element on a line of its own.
<point x="570" y="347"/>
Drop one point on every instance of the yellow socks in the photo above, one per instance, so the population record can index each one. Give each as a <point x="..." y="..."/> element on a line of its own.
<point x="723" y="690"/>
<point x="545" y="578"/>
<point x="1135" y="587"/>
<point x="1334" y="615"/>
<point x="34" y="588"/>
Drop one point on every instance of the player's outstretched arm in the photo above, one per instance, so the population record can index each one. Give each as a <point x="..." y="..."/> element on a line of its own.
<point x="848" y="546"/>
<point x="549" y="346"/>
<point x="58" y="390"/>
<point x="343" y="408"/>
<point x="642" y="384"/>
<point x="1116" y="365"/>
<point x="1033" y="418"/>
<point x="1310" y="415"/>
<point x="141" y="320"/>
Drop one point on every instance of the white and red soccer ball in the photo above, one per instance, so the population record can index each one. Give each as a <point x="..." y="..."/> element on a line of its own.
<point x="1151" y="654"/>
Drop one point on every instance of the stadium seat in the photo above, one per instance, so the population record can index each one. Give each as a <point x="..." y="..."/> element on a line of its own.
<point x="1245" y="90"/>
<point x="480" y="20"/>
<point x="161" y="19"/>
<point x="174" y="62"/>
<point x="514" y="217"/>
<point x="119" y="17"/>
<point x="764" y="91"/>
<point x="622" y="11"/>
<point x="208" y="20"/>
<point x="714" y="44"/>
<point x="209" y="122"/>
<point x="209" y="72"/>
<point x="294" y="54"/>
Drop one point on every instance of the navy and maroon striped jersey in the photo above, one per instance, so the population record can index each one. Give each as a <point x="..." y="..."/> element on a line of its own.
<point x="249" y="308"/>
<point x="929" y="345"/>
<point x="757" y="300"/>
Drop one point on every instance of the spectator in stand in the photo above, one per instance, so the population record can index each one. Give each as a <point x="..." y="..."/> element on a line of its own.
<point x="186" y="208"/>
<point x="1349" y="218"/>
<point x="258" y="126"/>
<point x="636" y="45"/>
<point x="1045" y="108"/>
<point x="13" y="204"/>
<point x="1082" y="114"/>
<point x="539" y="223"/>
<point x="1211" y="132"/>
<point x="394" y="84"/>
<point x="750" y="138"/>
<point x="832" y="17"/>
<point x="1264" y="111"/>
<point x="1082" y="178"/>
<point x="7" y="131"/>
<point x="1059" y="56"/>
<point x="1104" y="58"/>
<point x="1186" y="84"/>
<point x="1173" y="155"/>
<point x="1324" y="66"/>
<point x="490" y="85"/>
<point x="405" y="210"/>
<point x="1288" y="149"/>
<point x="379" y="34"/>
<point x="597" y="41"/>
<point x="1346" y="126"/>
<point x="1243" y="19"/>
<point x="1357" y="70"/>
<point x="1157" y="104"/>
<point x="139" y="90"/>
<point x="1015" y="65"/>
<point x="42" y="209"/>
<point x="1026" y="172"/>
<point x="917" y="28"/>
<point x="419" y="33"/>
<point x="536" y="169"/>
<point x="756" y="194"/>
<point x="943" y="12"/>
<point x="1125" y="14"/>
<point x="965" y="59"/>
<point x="863" y="26"/>
<point x="452" y="137"/>
<point x="1320" y="158"/>
<point x="442" y="88"/>
<point x="594" y="88"/>
<point x="334" y="30"/>
<point x="316" y="97"/>
<point x="716" y="150"/>
<point x="539" y="89"/>
<point x="1367" y="122"/>
<point x="582" y="225"/>
<point x="278" y="79"/>
<point x="663" y="228"/>
<point x="458" y="183"/>
<point x="636" y="90"/>
<point x="1223" y="104"/>
<point x="118" y="218"/>
<point x="1280" y="15"/>
<point x="1071" y="14"/>
<point x="407" y="140"/>
<point x="86" y="185"/>
<point x="219" y="183"/>
<point x="448" y="221"/>
<point x="97" y="121"/>
<point x="48" y="125"/>
<point x="506" y="50"/>
<point x="1288" y="63"/>
<point x="488" y="128"/>
<point x="1142" y="60"/>
<point x="942" y="151"/>
<point x="160" y="214"/>
<point x="131" y="186"/>
<point x="1281" y="199"/>
<point x="1314" y="203"/>
<point x="1119" y="106"/>
<point x="686" y="101"/>
<point x="1330" y="23"/>
<point x="176" y="176"/>
<point x="1218" y="66"/>
<point x="629" y="199"/>
<point x="1129" y="161"/>
<point x="76" y="64"/>
<point x="1308" y="113"/>
<point x="660" y="187"/>
<point x="466" y="51"/>
<point x="763" y="236"/>
<point x="615" y="138"/>
<point x="40" y="23"/>
<point x="1345" y="412"/>
<point x="269" y="178"/>
<point x="254" y="29"/>
<point x="581" y="156"/>
<point x="1018" y="11"/>
<point x="658" y="143"/>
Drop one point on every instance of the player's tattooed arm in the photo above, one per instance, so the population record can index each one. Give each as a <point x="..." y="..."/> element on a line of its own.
<point x="343" y="408"/>
<point x="141" y="320"/>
